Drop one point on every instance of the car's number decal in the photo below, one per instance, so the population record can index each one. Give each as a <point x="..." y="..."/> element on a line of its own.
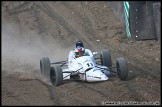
<point x="89" y="64"/>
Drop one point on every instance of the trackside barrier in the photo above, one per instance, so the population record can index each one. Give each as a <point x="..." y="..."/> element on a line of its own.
<point x="126" y="11"/>
<point x="157" y="19"/>
<point x="142" y="19"/>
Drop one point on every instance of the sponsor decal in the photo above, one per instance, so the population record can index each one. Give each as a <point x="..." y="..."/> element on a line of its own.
<point x="89" y="76"/>
<point x="98" y="77"/>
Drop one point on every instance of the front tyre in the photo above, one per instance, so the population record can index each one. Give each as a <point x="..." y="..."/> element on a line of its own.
<point x="56" y="75"/>
<point x="122" y="70"/>
<point x="45" y="66"/>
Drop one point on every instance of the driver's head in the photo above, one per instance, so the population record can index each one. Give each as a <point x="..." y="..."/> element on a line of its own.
<point x="79" y="43"/>
<point x="79" y="51"/>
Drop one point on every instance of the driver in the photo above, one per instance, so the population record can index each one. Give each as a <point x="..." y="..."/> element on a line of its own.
<point x="79" y="50"/>
<point x="79" y="43"/>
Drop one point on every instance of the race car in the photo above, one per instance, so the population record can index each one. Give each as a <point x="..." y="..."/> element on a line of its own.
<point x="86" y="68"/>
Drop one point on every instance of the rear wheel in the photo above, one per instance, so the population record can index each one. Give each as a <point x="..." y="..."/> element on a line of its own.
<point x="122" y="70"/>
<point x="45" y="66"/>
<point x="56" y="75"/>
<point x="106" y="58"/>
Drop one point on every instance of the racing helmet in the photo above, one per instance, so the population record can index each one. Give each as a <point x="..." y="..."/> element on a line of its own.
<point x="79" y="51"/>
<point x="79" y="43"/>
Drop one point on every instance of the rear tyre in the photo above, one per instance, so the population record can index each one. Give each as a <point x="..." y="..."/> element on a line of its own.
<point x="56" y="75"/>
<point x="122" y="70"/>
<point x="106" y="58"/>
<point x="45" y="66"/>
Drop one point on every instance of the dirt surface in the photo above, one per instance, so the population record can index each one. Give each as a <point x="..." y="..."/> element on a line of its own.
<point x="32" y="30"/>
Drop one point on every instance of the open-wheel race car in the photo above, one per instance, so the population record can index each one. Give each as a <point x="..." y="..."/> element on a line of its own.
<point x="85" y="68"/>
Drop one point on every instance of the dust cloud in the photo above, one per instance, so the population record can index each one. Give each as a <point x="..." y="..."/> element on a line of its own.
<point x="22" y="50"/>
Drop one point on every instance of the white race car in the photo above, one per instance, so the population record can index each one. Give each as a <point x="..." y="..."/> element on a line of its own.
<point x="85" y="68"/>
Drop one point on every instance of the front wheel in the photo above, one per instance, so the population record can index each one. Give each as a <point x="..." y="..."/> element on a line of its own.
<point x="56" y="75"/>
<point x="122" y="70"/>
<point x="45" y="66"/>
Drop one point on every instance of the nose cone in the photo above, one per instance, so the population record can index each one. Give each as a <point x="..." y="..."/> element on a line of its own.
<point x="104" y="77"/>
<point x="101" y="77"/>
<point x="95" y="75"/>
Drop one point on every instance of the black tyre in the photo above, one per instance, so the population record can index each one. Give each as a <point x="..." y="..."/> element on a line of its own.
<point x="56" y="75"/>
<point x="122" y="70"/>
<point x="106" y="58"/>
<point x="45" y="66"/>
